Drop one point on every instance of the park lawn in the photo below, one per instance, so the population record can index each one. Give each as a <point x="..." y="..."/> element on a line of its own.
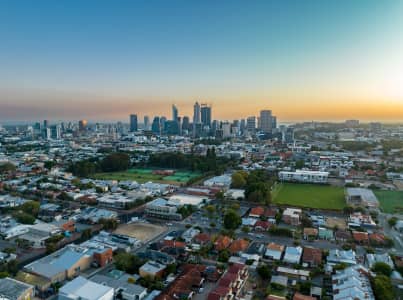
<point x="390" y="201"/>
<point x="309" y="196"/>
<point x="145" y="175"/>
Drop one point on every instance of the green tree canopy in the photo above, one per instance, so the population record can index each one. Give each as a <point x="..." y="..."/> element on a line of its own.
<point x="382" y="268"/>
<point x="232" y="220"/>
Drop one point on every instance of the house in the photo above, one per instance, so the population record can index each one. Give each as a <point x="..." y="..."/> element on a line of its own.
<point x="121" y="284"/>
<point x="152" y="269"/>
<point x="352" y="283"/>
<point x="337" y="256"/>
<point x="238" y="246"/>
<point x="371" y="259"/>
<point x="280" y="280"/>
<point x="186" y="285"/>
<point x="262" y="225"/>
<point x="312" y="256"/>
<point x="358" y="219"/>
<point x="231" y="283"/>
<point x="299" y="296"/>
<point x="189" y="234"/>
<point x="294" y="273"/>
<point x="360" y="237"/>
<point x="292" y="255"/>
<point x="222" y="242"/>
<point x="202" y="239"/>
<point x="256" y="212"/>
<point x="292" y="216"/>
<point x="274" y="251"/>
<point x="12" y="289"/>
<point x="81" y="288"/>
<point x="342" y="235"/>
<point x="310" y="233"/>
<point x="325" y="234"/>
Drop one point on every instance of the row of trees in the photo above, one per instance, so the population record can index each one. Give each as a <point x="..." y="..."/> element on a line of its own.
<point x="257" y="185"/>
<point x="113" y="162"/>
<point x="196" y="163"/>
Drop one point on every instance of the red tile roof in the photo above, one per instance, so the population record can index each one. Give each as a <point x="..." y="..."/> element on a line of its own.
<point x="298" y="296"/>
<point x="360" y="236"/>
<point x="222" y="242"/>
<point x="239" y="245"/>
<point x="257" y="211"/>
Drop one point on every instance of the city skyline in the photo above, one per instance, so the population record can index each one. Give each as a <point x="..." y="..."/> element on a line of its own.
<point x="322" y="61"/>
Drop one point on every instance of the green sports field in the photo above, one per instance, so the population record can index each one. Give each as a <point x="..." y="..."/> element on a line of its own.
<point x="390" y="201"/>
<point x="145" y="175"/>
<point x="309" y="196"/>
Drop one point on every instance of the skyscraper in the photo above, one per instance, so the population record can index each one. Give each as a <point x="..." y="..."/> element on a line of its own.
<point x="174" y="113"/>
<point x="186" y="123"/>
<point x="133" y="123"/>
<point x="251" y="124"/>
<point x="205" y="115"/>
<point x="156" y="126"/>
<point x="196" y="113"/>
<point x="146" y="123"/>
<point x="266" y="121"/>
<point x="82" y="125"/>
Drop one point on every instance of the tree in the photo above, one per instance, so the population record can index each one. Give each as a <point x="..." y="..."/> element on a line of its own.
<point x="128" y="262"/>
<point x="223" y="256"/>
<point x="258" y="187"/>
<point x="7" y="167"/>
<point x="210" y="209"/>
<point x="238" y="180"/>
<point x="24" y="218"/>
<point x="232" y="220"/>
<point x="392" y="221"/>
<point x="382" y="268"/>
<point x="383" y="288"/>
<point x="348" y="210"/>
<point x="115" y="162"/>
<point x="299" y="164"/>
<point x="31" y="207"/>
<point x="264" y="272"/>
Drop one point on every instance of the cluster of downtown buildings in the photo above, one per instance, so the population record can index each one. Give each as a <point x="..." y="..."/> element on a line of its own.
<point x="203" y="125"/>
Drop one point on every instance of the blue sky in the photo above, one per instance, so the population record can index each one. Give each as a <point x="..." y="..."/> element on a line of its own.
<point x="101" y="59"/>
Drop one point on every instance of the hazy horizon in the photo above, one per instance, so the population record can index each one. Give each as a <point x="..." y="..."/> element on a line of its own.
<point x="304" y="60"/>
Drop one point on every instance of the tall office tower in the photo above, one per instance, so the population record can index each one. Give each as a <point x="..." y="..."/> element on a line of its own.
<point x="226" y="129"/>
<point x="146" y="123"/>
<point x="196" y="113"/>
<point x="156" y="126"/>
<point x="174" y="113"/>
<point x="162" y="124"/>
<point x="242" y="126"/>
<point x="82" y="125"/>
<point x="205" y="112"/>
<point x="273" y="123"/>
<point x="56" y="131"/>
<point x="251" y="124"/>
<point x="133" y="123"/>
<point x="266" y="121"/>
<point x="186" y="123"/>
<point x="45" y="123"/>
